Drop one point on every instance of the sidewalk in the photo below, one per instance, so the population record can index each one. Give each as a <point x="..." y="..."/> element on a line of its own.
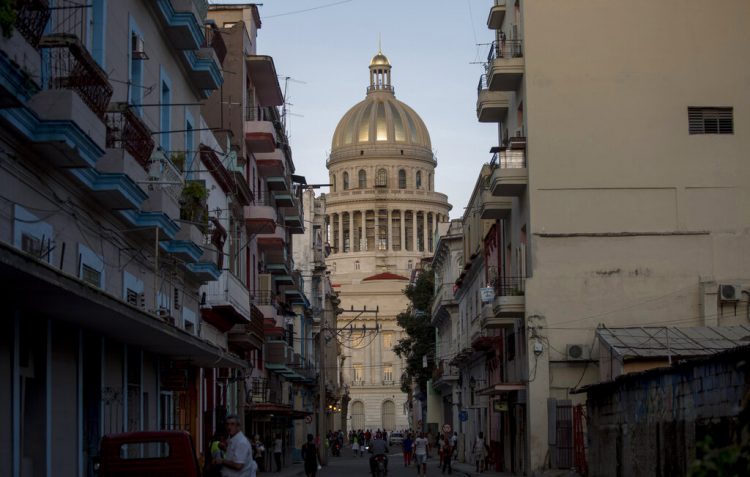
<point x="469" y="470"/>
<point x="293" y="470"/>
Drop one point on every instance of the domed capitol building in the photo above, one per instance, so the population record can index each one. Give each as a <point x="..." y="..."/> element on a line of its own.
<point x="382" y="213"/>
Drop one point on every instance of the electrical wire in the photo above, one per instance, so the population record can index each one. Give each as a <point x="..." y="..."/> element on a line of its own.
<point x="295" y="12"/>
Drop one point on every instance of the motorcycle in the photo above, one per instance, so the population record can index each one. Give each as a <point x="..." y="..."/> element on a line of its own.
<point x="379" y="466"/>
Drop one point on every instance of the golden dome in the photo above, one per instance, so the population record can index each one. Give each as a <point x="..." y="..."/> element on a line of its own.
<point x="379" y="60"/>
<point x="381" y="119"/>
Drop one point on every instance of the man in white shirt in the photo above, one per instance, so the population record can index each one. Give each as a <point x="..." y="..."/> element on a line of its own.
<point x="421" y="447"/>
<point x="238" y="460"/>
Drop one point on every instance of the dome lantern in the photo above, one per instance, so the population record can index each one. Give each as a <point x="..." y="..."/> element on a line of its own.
<point x="380" y="74"/>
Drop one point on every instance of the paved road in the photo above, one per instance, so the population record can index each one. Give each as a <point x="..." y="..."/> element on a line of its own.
<point x="349" y="466"/>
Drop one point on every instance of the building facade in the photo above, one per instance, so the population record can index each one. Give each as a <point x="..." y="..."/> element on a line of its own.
<point x="382" y="211"/>
<point x="105" y="243"/>
<point x="613" y="197"/>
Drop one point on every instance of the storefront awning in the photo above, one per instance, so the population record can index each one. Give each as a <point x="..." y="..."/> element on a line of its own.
<point x="501" y="388"/>
<point x="41" y="290"/>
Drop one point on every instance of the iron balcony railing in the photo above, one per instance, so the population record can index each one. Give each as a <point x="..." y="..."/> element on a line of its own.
<point x="482" y="83"/>
<point x="503" y="49"/>
<point x="31" y="19"/>
<point x="510" y="286"/>
<point x="125" y="130"/>
<point x="72" y="67"/>
<point x="263" y="298"/>
<point x="509" y="159"/>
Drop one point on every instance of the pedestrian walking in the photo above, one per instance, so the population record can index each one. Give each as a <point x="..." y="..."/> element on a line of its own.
<point x="238" y="460"/>
<point x="278" y="448"/>
<point x="311" y="457"/>
<point x="355" y="445"/>
<point x="421" y="448"/>
<point x="447" y="455"/>
<point x="480" y="453"/>
<point x="406" y="446"/>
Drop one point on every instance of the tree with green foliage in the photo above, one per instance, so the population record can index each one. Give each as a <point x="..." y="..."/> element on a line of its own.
<point x="420" y="334"/>
<point x="732" y="460"/>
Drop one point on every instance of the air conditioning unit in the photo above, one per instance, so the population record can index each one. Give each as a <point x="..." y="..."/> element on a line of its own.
<point x="177" y="301"/>
<point x="142" y="301"/>
<point x="730" y="292"/>
<point x="578" y="352"/>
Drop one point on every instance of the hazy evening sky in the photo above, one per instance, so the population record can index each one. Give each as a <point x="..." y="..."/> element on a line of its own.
<point x="431" y="45"/>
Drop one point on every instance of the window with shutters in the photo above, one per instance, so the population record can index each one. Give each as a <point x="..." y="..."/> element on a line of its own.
<point x="91" y="275"/>
<point x="358" y="372"/>
<point x="387" y="374"/>
<point x="346" y="181"/>
<point x="402" y="179"/>
<point x="362" y="179"/>
<point x="711" y="120"/>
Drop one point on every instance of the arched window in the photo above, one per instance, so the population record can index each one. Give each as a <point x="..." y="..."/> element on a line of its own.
<point x="358" y="415"/>
<point x="333" y="182"/>
<point x="419" y="179"/>
<point x="382" y="178"/>
<point x="401" y="179"/>
<point x="362" y="179"/>
<point x="389" y="415"/>
<point x="346" y="180"/>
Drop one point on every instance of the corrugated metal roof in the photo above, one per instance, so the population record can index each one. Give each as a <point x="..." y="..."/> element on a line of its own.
<point x="662" y="341"/>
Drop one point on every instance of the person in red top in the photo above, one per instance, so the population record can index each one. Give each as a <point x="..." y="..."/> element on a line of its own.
<point x="368" y="436"/>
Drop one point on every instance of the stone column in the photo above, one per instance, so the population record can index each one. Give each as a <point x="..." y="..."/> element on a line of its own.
<point x="376" y="214"/>
<point x="415" y="243"/>
<point x="403" y="230"/>
<point x="341" y="231"/>
<point x="390" y="229"/>
<point x="425" y="231"/>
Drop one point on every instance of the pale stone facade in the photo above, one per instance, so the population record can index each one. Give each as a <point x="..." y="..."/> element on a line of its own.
<point x="382" y="212"/>
<point x="619" y="191"/>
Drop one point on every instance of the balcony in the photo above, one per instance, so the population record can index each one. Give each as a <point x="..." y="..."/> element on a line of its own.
<point x="272" y="163"/>
<point x="31" y="19"/>
<point x="245" y="337"/>
<point x="494" y="207"/>
<point x="294" y="223"/>
<point x="182" y="21"/>
<point x="510" y="174"/>
<point x="213" y="39"/>
<point x="278" y="184"/>
<point x="114" y="191"/>
<point x="443" y="305"/>
<point x="265" y="80"/>
<point x="72" y="67"/>
<point x="187" y="244"/>
<point x="165" y="186"/>
<point x="272" y="241"/>
<point x="260" y="132"/>
<point x="492" y="106"/>
<point x="125" y="130"/>
<point x="260" y="218"/>
<point x="509" y="303"/>
<point x="228" y="176"/>
<point x="148" y="223"/>
<point x="204" y="69"/>
<point x="497" y="15"/>
<point x="505" y="65"/>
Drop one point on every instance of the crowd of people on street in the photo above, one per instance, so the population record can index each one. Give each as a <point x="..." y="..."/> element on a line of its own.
<point x="232" y="454"/>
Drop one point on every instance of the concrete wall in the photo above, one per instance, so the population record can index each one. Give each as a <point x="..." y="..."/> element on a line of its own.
<point x="649" y="423"/>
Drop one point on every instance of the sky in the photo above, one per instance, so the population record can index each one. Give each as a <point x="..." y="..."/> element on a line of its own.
<point x="433" y="48"/>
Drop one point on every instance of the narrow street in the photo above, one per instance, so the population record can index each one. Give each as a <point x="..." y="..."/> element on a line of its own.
<point x="348" y="465"/>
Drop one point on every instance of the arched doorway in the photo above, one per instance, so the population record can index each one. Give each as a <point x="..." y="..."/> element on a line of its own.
<point x="389" y="415"/>
<point x="358" y="415"/>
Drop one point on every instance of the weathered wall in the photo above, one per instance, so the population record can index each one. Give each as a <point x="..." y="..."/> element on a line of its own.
<point x="648" y="424"/>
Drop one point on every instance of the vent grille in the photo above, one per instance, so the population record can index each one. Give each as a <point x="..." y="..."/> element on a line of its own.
<point x="711" y="120"/>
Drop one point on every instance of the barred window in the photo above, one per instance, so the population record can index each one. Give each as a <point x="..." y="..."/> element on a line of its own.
<point x="711" y="120"/>
<point x="382" y="178"/>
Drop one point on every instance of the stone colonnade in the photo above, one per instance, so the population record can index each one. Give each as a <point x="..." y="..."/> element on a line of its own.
<point x="386" y="229"/>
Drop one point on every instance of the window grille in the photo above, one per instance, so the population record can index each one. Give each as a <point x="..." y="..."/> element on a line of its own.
<point x="711" y="120"/>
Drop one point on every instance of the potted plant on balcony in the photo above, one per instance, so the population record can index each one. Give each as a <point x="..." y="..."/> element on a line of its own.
<point x="178" y="159"/>
<point x="193" y="204"/>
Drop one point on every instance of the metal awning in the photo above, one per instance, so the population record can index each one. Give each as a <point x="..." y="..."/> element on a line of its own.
<point x="39" y="289"/>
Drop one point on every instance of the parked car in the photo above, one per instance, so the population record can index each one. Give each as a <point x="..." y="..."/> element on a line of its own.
<point x="395" y="438"/>
<point x="147" y="454"/>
